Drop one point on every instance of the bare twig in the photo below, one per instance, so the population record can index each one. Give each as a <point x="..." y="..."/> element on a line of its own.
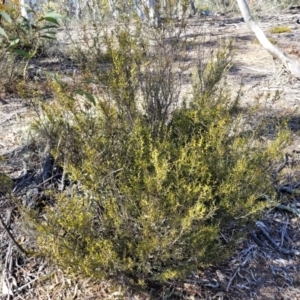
<point x="283" y="233"/>
<point x="26" y="285"/>
<point x="62" y="184"/>
<point x="8" y="218"/>
<point x="6" y="274"/>
<point x="256" y="239"/>
<point x="12" y="237"/>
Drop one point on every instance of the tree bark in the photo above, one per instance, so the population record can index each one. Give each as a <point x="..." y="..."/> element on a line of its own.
<point x="290" y="64"/>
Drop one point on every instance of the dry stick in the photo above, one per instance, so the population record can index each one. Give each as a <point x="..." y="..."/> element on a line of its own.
<point x="6" y="274"/>
<point x="12" y="237"/>
<point x="10" y="268"/>
<point x="61" y="186"/>
<point x="237" y="270"/>
<point x="232" y="277"/>
<point x="26" y="285"/>
<point x="261" y="226"/>
<point x="256" y="239"/>
<point x="283" y="232"/>
<point x="8" y="219"/>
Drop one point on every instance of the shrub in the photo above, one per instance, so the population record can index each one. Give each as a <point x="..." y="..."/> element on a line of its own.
<point x="149" y="204"/>
<point x="272" y="40"/>
<point x="280" y="29"/>
<point x="21" y="40"/>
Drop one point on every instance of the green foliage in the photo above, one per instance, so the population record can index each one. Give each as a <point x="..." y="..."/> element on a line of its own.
<point x="21" y="40"/>
<point x="23" y="37"/>
<point x="271" y="40"/>
<point x="6" y="184"/>
<point x="150" y="204"/>
<point x="280" y="29"/>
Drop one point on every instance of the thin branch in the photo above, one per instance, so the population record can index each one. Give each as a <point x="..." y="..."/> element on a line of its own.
<point x="12" y="237"/>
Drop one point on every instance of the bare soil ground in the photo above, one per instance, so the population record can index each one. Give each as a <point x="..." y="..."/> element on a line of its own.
<point x="266" y="266"/>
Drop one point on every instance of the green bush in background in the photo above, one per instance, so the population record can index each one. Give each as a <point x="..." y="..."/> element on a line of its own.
<point x="20" y="41"/>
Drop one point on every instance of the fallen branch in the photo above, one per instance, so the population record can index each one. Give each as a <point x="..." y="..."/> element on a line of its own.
<point x="295" y="210"/>
<point x="262" y="226"/>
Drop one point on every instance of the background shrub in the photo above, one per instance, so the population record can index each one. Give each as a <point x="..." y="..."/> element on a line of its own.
<point x="20" y="41"/>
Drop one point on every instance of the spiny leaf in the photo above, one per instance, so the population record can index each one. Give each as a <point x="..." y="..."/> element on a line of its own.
<point x="47" y="37"/>
<point x="52" y="20"/>
<point x="48" y="27"/>
<point x="62" y="84"/>
<point x="50" y="32"/>
<point x="22" y="53"/>
<point x="88" y="95"/>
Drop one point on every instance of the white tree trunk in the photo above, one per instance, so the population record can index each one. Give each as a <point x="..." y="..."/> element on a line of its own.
<point x="291" y="65"/>
<point x="153" y="13"/>
<point x="138" y="10"/>
<point x="149" y="10"/>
